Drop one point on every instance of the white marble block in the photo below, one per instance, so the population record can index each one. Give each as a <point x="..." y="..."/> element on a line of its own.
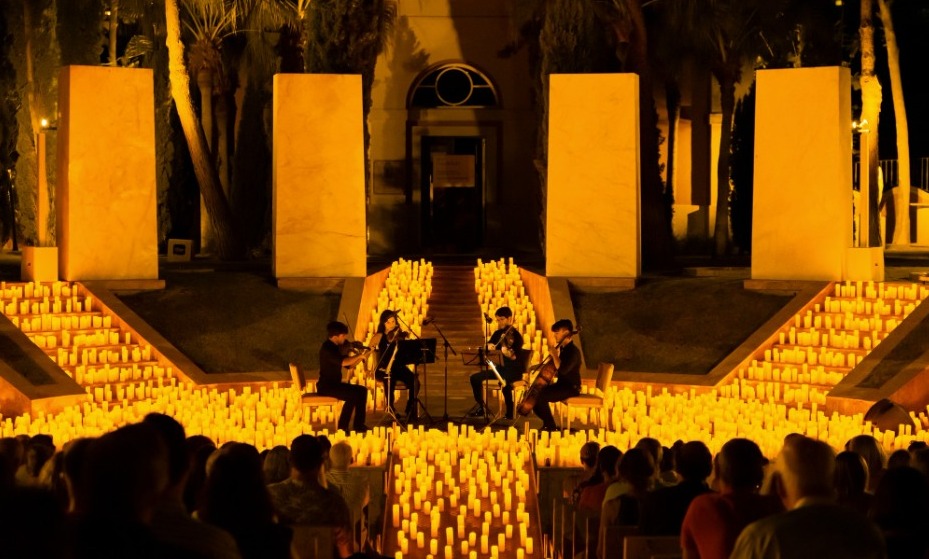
<point x="318" y="176"/>
<point x="592" y="215"/>
<point x="802" y="213"/>
<point x="105" y="197"/>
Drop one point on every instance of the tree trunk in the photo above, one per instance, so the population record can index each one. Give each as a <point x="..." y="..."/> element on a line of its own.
<point x="870" y="111"/>
<point x="727" y="102"/>
<point x="221" y="153"/>
<point x="205" y="85"/>
<point x="657" y="248"/>
<point x="901" y="234"/>
<point x="673" y="103"/>
<point x="114" y="22"/>
<point x="228" y="246"/>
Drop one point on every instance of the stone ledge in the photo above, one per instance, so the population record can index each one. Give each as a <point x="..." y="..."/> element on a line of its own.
<point x="316" y="285"/>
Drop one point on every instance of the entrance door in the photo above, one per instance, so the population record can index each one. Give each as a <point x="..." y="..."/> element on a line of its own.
<point x="453" y="193"/>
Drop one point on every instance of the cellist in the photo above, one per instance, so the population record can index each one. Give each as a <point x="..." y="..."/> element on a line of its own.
<point x="567" y="360"/>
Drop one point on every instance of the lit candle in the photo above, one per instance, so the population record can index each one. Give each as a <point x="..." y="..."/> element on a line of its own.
<point x="396" y="515"/>
<point x="529" y="548"/>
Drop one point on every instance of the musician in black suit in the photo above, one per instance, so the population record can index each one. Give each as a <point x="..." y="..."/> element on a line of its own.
<point x="567" y="360"/>
<point x="509" y="342"/>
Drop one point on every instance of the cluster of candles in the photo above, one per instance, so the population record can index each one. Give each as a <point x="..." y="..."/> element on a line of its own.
<point x="498" y="284"/>
<point x="406" y="290"/>
<point x="83" y="338"/>
<point x="819" y="346"/>
<point x="461" y="494"/>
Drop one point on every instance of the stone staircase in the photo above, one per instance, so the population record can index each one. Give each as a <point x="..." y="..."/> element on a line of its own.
<point x="454" y="306"/>
<point x="819" y="346"/>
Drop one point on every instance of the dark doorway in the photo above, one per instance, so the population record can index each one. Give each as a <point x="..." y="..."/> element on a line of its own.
<point x="453" y="193"/>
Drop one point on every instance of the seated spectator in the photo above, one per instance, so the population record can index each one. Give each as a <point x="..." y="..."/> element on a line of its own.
<point x="656" y="451"/>
<point x="869" y="449"/>
<point x="898" y="458"/>
<point x="302" y="499"/>
<point x="353" y="486"/>
<point x="51" y="478"/>
<point x="714" y="520"/>
<point x="12" y="455"/>
<point x="814" y="526"/>
<point x="665" y="507"/>
<point x="39" y="450"/>
<point x="276" y="465"/>
<point x="667" y="472"/>
<point x="236" y="499"/>
<point x="591" y="474"/>
<point x="901" y="511"/>
<point x="75" y="458"/>
<point x="172" y="524"/>
<point x="590" y="501"/>
<point x="623" y="506"/>
<point x="200" y="448"/>
<point x="851" y="479"/>
<point x="120" y="484"/>
<point x="920" y="461"/>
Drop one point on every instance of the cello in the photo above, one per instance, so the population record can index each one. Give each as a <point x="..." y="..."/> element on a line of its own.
<point x="546" y="375"/>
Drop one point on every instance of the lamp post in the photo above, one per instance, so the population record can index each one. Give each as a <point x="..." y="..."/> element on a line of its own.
<point x="42" y="203"/>
<point x="864" y="183"/>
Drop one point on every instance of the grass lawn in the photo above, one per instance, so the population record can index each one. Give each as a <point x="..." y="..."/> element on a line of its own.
<point x="671" y="324"/>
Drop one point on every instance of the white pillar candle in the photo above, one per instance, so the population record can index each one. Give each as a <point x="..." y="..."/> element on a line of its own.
<point x="396" y="516"/>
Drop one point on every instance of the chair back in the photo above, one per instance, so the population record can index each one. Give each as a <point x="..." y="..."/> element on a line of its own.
<point x="523" y="357"/>
<point x="312" y="542"/>
<point x="651" y="547"/>
<point x="604" y="376"/>
<point x="297" y="376"/>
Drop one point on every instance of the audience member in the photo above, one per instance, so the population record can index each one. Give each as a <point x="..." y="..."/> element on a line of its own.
<point x="901" y="511"/>
<point x="39" y="450"/>
<point x="591" y="473"/>
<point x="869" y="449"/>
<point x="637" y="473"/>
<point x="51" y="478"/>
<point x="920" y="461"/>
<point x="236" y="499"/>
<point x="667" y="472"/>
<point x="814" y="526"/>
<point x="303" y="501"/>
<point x="898" y="458"/>
<point x="276" y="464"/>
<point x="199" y="448"/>
<point x="656" y="451"/>
<point x="353" y="486"/>
<point x="120" y="484"/>
<point x="851" y="480"/>
<point x="75" y="459"/>
<point x="714" y="520"/>
<point x="12" y="454"/>
<point x="664" y="508"/>
<point x="590" y="502"/>
<point x="172" y="524"/>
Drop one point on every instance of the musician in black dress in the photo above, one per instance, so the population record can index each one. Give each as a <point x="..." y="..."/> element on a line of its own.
<point x="385" y="340"/>
<point x="509" y="342"/>
<point x="567" y="359"/>
<point x="332" y="358"/>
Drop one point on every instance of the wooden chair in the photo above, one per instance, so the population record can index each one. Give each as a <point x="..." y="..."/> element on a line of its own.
<point x="312" y="399"/>
<point x="652" y="547"/>
<point x="595" y="401"/>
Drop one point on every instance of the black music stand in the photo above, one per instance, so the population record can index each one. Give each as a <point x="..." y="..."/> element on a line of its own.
<point x="487" y="359"/>
<point x="420" y="351"/>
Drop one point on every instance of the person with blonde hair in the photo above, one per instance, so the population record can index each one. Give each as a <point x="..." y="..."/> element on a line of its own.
<point x="353" y="485"/>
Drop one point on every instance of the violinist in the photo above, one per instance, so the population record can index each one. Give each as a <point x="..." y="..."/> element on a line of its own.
<point x="337" y="352"/>
<point x="509" y="342"/>
<point x="387" y="335"/>
<point x="567" y="360"/>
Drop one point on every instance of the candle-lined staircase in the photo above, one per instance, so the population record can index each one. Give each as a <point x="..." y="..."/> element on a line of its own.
<point x="85" y="340"/>
<point x="823" y="343"/>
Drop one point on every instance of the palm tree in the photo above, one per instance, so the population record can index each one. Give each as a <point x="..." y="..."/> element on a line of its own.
<point x="227" y="243"/>
<point x="901" y="233"/>
<point x="870" y="112"/>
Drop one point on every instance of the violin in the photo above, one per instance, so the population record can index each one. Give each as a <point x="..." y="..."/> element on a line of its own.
<point x="396" y="334"/>
<point x="350" y="348"/>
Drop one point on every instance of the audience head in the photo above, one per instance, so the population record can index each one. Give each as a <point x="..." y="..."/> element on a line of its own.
<point x="851" y="474"/>
<point x="236" y="497"/>
<point x="199" y="448"/>
<point x="638" y="469"/>
<point x="39" y="451"/>
<point x="608" y="462"/>
<point x="276" y="465"/>
<point x="869" y="449"/>
<point x="341" y="455"/>
<point x="901" y="508"/>
<point x="11" y="456"/>
<point x="589" y="452"/>
<point x="125" y="474"/>
<point x="805" y="468"/>
<point x="917" y="445"/>
<point x="306" y="454"/>
<point x="898" y="458"/>
<point x="172" y="433"/>
<point x="75" y="459"/>
<point x="694" y="461"/>
<point x="740" y="465"/>
<point x="653" y="447"/>
<point x="326" y="445"/>
<point x="920" y="461"/>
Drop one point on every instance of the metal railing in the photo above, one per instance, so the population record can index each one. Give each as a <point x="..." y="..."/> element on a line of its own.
<point x="891" y="177"/>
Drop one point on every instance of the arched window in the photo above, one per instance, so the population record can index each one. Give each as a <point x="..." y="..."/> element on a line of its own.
<point x="451" y="85"/>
